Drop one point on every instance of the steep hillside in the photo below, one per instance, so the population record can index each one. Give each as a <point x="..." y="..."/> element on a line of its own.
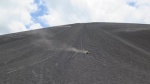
<point x="118" y="54"/>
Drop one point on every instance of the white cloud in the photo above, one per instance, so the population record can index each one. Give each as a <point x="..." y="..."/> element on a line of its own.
<point x="72" y="11"/>
<point x="35" y="26"/>
<point x="16" y="26"/>
<point x="15" y="14"/>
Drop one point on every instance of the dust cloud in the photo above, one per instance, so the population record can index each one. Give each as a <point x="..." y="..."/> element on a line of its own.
<point x="46" y="42"/>
<point x="75" y="50"/>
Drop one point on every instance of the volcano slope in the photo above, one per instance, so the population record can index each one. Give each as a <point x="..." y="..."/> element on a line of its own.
<point x="118" y="54"/>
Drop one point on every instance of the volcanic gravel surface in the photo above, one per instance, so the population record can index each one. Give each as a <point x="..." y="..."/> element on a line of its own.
<point x="118" y="53"/>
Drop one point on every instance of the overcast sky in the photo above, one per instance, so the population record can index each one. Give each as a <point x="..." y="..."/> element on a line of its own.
<point x="22" y="15"/>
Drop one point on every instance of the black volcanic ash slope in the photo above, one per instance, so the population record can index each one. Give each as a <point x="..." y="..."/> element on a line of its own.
<point x="118" y="54"/>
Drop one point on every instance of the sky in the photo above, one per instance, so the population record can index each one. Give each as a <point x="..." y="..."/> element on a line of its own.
<point x="24" y="15"/>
